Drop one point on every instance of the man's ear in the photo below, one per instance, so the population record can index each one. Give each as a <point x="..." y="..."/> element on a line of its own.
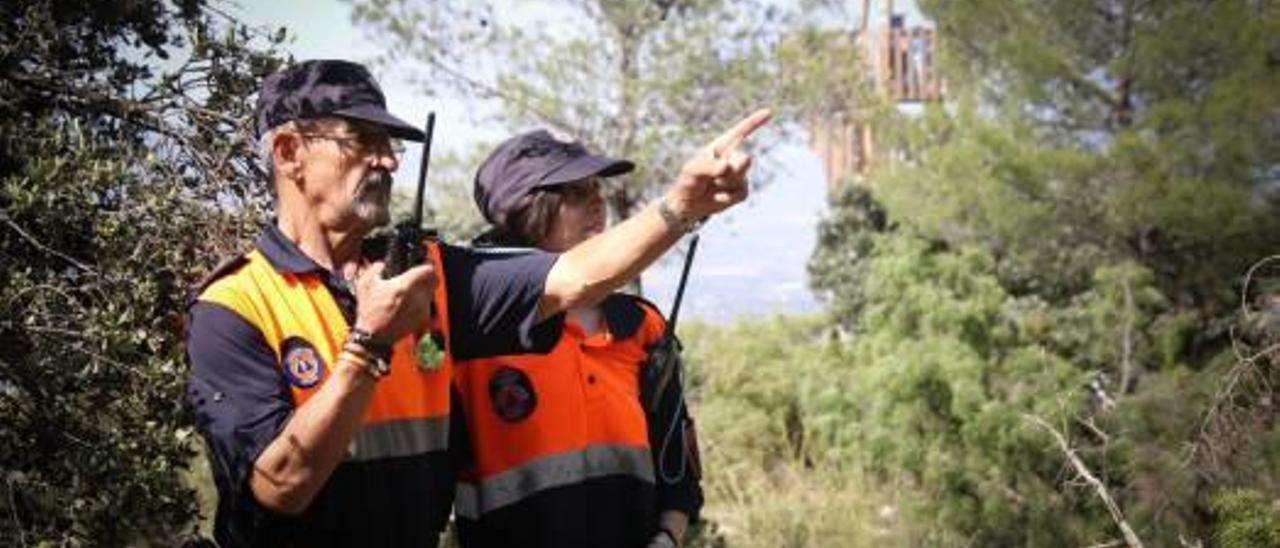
<point x="286" y="154"/>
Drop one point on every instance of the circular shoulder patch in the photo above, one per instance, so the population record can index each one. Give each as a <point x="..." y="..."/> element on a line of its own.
<point x="512" y="394"/>
<point x="301" y="362"/>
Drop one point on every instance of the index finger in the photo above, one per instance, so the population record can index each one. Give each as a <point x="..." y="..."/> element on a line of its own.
<point x="730" y="140"/>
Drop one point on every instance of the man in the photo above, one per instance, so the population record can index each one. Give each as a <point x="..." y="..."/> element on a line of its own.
<point x="323" y="427"/>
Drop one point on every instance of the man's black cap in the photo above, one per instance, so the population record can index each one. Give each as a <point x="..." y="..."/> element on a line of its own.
<point x="312" y="89"/>
<point x="535" y="160"/>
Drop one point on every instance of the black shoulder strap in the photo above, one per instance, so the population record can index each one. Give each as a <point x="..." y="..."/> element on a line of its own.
<point x="624" y="313"/>
<point x="641" y="302"/>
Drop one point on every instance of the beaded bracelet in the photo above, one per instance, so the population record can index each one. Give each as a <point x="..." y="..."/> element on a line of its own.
<point x="359" y="362"/>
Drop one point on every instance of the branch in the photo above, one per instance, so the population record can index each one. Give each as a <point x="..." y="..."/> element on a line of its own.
<point x="1225" y="395"/>
<point x="1093" y="429"/>
<point x="493" y="91"/>
<point x="4" y="216"/>
<point x="1126" y="360"/>
<point x="81" y="337"/>
<point x="13" y="508"/>
<point x="1130" y="538"/>
<point x="1244" y="364"/>
<point x="1248" y="279"/>
<point x="1194" y="543"/>
<point x="94" y="102"/>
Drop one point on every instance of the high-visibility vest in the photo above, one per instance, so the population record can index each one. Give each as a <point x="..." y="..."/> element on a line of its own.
<point x="303" y="324"/>
<point x="538" y="421"/>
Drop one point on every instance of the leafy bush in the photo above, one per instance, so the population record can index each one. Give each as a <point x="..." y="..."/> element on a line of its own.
<point x="124" y="177"/>
<point x="1245" y="518"/>
<point x="779" y="468"/>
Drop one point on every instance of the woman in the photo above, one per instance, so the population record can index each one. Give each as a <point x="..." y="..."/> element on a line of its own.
<point x="562" y="452"/>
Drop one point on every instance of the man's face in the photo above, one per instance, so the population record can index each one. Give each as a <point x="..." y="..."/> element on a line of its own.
<point x="347" y="171"/>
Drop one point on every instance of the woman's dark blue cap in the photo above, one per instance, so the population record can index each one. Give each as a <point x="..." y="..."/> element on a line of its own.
<point x="535" y="160"/>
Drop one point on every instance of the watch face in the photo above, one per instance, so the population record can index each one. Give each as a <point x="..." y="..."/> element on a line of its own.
<point x="367" y="340"/>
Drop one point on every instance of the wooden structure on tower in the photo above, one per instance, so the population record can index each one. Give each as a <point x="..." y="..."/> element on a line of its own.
<point x="902" y="62"/>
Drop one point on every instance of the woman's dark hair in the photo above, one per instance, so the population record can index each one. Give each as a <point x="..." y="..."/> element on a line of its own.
<point x="529" y="222"/>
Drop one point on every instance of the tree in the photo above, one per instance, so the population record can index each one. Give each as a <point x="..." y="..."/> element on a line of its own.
<point x="637" y="79"/>
<point x="1114" y="130"/>
<point x="126" y="173"/>
<point x="1071" y="229"/>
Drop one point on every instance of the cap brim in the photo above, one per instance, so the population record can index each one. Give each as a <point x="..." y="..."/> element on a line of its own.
<point x="589" y="165"/>
<point x="395" y="127"/>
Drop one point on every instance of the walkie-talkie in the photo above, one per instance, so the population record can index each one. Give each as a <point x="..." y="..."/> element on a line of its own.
<point x="662" y="395"/>
<point x="664" y="355"/>
<point x="405" y="250"/>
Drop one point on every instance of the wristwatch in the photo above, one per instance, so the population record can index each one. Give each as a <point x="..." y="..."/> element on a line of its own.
<point x="379" y="351"/>
<point x="675" y="221"/>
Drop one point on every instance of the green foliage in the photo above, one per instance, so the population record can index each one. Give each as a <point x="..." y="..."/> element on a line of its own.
<point x="838" y="268"/>
<point x="948" y="373"/>
<point x="1246" y="518"/>
<point x="119" y="167"/>
<point x="1091" y="132"/>
<point x="821" y="76"/>
<point x="778" y="437"/>
<point x="1064" y="240"/>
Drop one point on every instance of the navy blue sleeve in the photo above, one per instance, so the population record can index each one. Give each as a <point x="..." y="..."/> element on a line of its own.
<point x="493" y="302"/>
<point x="238" y="396"/>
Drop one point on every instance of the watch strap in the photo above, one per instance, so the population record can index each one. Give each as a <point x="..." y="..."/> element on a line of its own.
<point x="674" y="221"/>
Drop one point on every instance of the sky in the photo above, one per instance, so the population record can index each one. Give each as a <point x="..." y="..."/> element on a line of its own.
<point x="750" y="260"/>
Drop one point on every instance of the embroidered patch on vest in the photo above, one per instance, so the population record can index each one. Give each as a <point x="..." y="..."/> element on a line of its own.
<point x="302" y="363"/>
<point x="512" y="394"/>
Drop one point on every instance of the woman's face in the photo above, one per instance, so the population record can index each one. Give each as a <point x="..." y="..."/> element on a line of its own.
<point x="581" y="215"/>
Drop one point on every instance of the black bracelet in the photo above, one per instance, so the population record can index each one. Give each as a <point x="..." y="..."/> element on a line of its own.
<point x="378" y="350"/>
<point x="374" y="345"/>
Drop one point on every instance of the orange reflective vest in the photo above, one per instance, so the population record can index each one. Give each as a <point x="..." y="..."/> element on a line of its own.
<point x="538" y="421"/>
<point x="297" y="315"/>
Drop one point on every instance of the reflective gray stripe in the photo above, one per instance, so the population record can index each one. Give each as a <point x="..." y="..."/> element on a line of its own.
<point x="399" y="438"/>
<point x="474" y="499"/>
<point x="500" y="250"/>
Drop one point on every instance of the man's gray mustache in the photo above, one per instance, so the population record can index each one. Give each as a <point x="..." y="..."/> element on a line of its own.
<point x="379" y="178"/>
